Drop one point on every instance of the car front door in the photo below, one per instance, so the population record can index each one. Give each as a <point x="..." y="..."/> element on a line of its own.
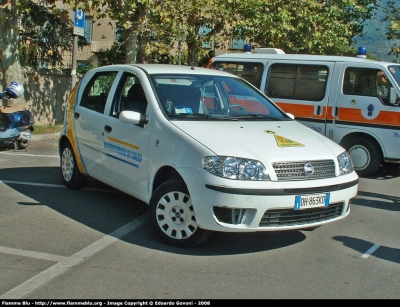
<point x="125" y="146"/>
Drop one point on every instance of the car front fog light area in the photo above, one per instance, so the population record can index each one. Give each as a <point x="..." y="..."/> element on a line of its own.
<point x="234" y="216"/>
<point x="235" y="168"/>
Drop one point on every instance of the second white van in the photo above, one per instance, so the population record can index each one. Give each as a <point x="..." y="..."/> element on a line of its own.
<point x="352" y="100"/>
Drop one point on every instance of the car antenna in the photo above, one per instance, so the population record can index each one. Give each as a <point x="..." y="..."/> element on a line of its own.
<point x="191" y="64"/>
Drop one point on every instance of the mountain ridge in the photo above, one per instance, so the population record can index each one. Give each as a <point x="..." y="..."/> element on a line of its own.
<point x="374" y="37"/>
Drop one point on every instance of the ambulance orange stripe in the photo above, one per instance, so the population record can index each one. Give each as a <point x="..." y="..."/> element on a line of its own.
<point x="389" y="118"/>
<point x="302" y="110"/>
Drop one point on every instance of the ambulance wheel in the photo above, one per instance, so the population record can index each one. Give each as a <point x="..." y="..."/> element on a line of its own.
<point x="71" y="176"/>
<point x="173" y="217"/>
<point x="366" y="156"/>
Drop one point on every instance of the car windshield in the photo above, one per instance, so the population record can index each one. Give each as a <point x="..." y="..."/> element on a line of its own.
<point x="210" y="97"/>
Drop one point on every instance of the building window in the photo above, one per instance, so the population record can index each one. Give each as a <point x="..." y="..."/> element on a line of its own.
<point x="238" y="43"/>
<point x="202" y="32"/>
<point x="88" y="31"/>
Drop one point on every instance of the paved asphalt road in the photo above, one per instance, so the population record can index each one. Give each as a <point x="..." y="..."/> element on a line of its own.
<point x="96" y="243"/>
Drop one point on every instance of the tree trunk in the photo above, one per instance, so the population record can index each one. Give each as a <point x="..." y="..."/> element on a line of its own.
<point x="192" y="53"/>
<point x="10" y="67"/>
<point x="131" y="49"/>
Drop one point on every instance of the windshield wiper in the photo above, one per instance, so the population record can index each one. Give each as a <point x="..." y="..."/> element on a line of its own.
<point x="187" y="115"/>
<point x="252" y="116"/>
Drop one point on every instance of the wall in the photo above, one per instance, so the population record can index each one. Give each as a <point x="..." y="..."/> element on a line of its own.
<point x="48" y="92"/>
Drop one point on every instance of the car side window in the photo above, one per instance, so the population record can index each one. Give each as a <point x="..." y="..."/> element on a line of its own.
<point x="96" y="92"/>
<point x="130" y="96"/>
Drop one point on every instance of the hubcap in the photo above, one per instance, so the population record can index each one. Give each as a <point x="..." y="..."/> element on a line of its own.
<point x="360" y="156"/>
<point x="67" y="164"/>
<point x="175" y="215"/>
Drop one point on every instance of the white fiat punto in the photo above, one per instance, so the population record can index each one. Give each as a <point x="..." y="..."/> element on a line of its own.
<point x="205" y="149"/>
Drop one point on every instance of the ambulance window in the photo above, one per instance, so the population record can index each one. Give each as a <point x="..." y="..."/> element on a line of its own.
<point x="365" y="82"/>
<point x="249" y="71"/>
<point x="301" y="82"/>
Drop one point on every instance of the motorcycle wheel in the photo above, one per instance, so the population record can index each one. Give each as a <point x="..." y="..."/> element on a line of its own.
<point x="24" y="139"/>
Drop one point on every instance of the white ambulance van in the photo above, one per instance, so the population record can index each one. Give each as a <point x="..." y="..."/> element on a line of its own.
<point x="351" y="100"/>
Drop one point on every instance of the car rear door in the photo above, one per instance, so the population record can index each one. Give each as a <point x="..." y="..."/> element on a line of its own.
<point x="88" y="118"/>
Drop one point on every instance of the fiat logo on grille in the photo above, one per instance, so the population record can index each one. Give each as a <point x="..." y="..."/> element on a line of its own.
<point x="308" y="169"/>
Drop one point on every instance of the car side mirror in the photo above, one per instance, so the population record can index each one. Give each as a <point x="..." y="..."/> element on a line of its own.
<point x="134" y="118"/>
<point x="290" y="115"/>
<point x="392" y="96"/>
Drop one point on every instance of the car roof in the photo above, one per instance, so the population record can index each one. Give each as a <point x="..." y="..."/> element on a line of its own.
<point x="170" y="69"/>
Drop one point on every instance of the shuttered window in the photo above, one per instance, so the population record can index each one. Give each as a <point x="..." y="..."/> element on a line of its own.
<point x="88" y="31"/>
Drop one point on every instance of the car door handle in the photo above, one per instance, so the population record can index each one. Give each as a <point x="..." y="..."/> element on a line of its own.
<point x="76" y="115"/>
<point x="107" y="128"/>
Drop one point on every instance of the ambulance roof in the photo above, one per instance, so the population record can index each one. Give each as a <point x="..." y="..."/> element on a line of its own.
<point x="303" y="57"/>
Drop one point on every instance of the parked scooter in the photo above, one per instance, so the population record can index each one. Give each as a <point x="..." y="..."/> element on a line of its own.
<point x="16" y="120"/>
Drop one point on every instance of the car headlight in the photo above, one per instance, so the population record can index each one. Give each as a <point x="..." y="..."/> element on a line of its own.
<point x="345" y="163"/>
<point x="235" y="168"/>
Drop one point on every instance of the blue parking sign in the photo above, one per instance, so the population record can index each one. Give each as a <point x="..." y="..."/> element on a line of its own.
<point x="79" y="22"/>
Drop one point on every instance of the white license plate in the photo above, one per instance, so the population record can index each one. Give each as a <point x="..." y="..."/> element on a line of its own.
<point x="311" y="201"/>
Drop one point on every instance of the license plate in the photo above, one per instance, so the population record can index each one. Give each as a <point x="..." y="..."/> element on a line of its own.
<point x="311" y="201"/>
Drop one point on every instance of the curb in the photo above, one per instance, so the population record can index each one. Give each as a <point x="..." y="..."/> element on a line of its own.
<point x="41" y="137"/>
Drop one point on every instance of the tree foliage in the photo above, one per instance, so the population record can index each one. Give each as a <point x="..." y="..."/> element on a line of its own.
<point x="32" y="32"/>
<point x="302" y="26"/>
<point x="149" y="28"/>
<point x="393" y="34"/>
<point x="46" y="33"/>
<point x="296" y="26"/>
<point x="9" y="17"/>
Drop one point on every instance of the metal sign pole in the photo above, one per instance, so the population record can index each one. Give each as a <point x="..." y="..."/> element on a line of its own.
<point x="73" y="70"/>
<point x="79" y="23"/>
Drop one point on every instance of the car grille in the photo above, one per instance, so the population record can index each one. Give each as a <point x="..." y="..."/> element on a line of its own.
<point x="293" y="217"/>
<point x="296" y="170"/>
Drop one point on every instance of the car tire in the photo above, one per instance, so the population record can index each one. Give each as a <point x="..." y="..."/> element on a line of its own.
<point x="173" y="217"/>
<point x="365" y="155"/>
<point x="71" y="176"/>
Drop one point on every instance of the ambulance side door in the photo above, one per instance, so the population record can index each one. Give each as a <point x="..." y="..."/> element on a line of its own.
<point x="359" y="107"/>
<point x="301" y="88"/>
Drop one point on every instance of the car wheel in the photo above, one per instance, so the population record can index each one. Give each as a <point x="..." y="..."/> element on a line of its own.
<point x="366" y="156"/>
<point x="173" y="217"/>
<point x="71" y="176"/>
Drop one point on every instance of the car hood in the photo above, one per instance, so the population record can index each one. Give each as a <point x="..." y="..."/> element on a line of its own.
<point x="264" y="141"/>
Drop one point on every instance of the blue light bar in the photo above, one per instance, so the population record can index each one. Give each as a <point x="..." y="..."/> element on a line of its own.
<point x="247" y="48"/>
<point x="362" y="52"/>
